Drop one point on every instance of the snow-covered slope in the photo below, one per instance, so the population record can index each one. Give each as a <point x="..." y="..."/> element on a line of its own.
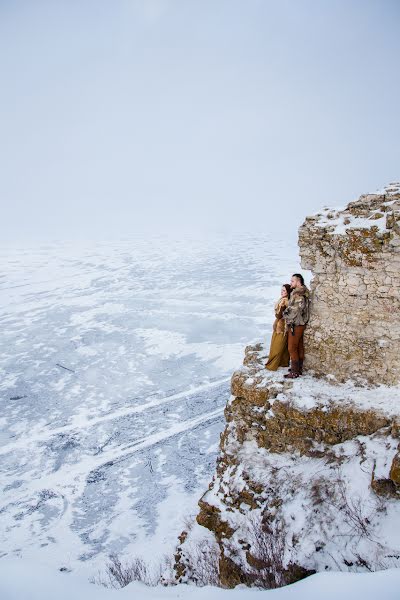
<point x="21" y="580"/>
<point x="304" y="481"/>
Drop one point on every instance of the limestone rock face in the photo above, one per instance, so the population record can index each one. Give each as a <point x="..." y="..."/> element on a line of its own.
<point x="354" y="255"/>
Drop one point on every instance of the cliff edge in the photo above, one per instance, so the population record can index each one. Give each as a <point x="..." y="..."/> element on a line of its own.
<point x="308" y="476"/>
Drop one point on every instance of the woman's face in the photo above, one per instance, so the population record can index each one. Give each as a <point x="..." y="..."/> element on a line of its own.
<point x="283" y="292"/>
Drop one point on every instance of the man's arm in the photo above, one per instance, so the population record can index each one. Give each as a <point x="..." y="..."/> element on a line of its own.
<point x="292" y="311"/>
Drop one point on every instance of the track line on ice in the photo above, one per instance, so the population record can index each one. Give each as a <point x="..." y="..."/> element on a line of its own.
<point x="73" y="475"/>
<point x="155" y="438"/>
<point x="123" y="412"/>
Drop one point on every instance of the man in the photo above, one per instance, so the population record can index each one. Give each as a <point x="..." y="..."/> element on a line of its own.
<point x="296" y="317"/>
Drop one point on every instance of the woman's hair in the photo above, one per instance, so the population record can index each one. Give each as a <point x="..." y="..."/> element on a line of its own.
<point x="287" y="288"/>
<point x="299" y="277"/>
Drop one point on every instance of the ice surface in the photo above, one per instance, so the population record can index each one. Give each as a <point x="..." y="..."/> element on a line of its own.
<point x="114" y="372"/>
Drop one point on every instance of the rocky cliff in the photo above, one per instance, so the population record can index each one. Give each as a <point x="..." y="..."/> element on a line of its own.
<point x="354" y="255"/>
<point x="308" y="476"/>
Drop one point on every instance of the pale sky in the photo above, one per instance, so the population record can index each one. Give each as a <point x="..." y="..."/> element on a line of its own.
<point x="121" y="116"/>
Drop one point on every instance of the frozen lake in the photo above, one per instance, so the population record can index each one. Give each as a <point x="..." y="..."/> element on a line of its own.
<point x="115" y="360"/>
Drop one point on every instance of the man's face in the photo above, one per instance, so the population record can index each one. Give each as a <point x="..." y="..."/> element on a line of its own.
<point x="294" y="282"/>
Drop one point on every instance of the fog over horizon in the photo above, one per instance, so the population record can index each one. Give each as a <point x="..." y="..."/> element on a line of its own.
<point x="173" y="116"/>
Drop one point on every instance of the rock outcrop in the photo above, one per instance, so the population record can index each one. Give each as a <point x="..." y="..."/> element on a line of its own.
<point x="308" y="476"/>
<point x="354" y="255"/>
<point x="307" y="480"/>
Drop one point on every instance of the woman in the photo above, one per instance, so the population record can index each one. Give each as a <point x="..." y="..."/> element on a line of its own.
<point x="278" y="352"/>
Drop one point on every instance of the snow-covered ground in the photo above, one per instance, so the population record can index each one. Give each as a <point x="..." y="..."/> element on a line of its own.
<point x="21" y="580"/>
<point x="115" y="361"/>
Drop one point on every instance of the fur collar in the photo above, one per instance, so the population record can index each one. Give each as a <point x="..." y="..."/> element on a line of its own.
<point x="300" y="291"/>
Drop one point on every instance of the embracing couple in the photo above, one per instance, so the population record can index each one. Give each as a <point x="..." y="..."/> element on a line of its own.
<point x="291" y="316"/>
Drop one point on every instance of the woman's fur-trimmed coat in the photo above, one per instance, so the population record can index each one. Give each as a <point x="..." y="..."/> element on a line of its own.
<point x="279" y="323"/>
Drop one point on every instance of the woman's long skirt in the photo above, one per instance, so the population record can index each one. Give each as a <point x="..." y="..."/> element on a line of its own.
<point x="278" y="353"/>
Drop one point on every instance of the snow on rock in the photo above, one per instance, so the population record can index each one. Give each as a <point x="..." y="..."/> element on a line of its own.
<point x="308" y="479"/>
<point x="354" y="255"/>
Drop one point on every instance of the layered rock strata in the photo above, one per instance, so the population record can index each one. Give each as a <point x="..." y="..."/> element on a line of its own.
<point x="308" y="479"/>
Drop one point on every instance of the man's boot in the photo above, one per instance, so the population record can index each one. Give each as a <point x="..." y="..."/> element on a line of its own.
<point x="295" y="370"/>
